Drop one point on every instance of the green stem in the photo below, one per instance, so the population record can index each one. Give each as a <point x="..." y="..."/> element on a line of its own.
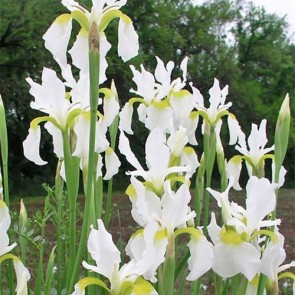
<point x="98" y="197"/>
<point x="72" y="175"/>
<point x="222" y="170"/>
<point x="209" y="153"/>
<point x="199" y="191"/>
<point x="169" y="268"/>
<point x="58" y="195"/>
<point x="109" y="203"/>
<point x="94" y="85"/>
<point x="226" y="286"/>
<point x="113" y="135"/>
<point x="261" y="284"/>
<point x="196" y="286"/>
<point x="235" y="283"/>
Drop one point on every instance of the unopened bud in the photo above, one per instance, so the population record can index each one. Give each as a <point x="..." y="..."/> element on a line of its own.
<point x="23" y="216"/>
<point x="282" y="135"/>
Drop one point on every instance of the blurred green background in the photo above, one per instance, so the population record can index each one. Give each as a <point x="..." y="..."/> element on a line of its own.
<point x="234" y="41"/>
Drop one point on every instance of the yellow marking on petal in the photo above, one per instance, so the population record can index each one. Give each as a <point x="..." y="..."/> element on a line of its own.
<point x="180" y="179"/>
<point x="137" y="99"/>
<point x="230" y="237"/>
<point x="189" y="150"/>
<point x="85" y="282"/>
<point x="64" y="18"/>
<point x="126" y="288"/>
<point x="162" y="104"/>
<point x="109" y="151"/>
<point x="193" y="115"/>
<point x="67" y="95"/>
<point x="34" y="123"/>
<point x="107" y="17"/>
<point x="161" y="235"/>
<point x="220" y="114"/>
<point x="107" y="92"/>
<point x="83" y="33"/>
<point x="2" y="204"/>
<point x="72" y="115"/>
<point x="237" y="159"/>
<point x="130" y="191"/>
<point x="100" y="115"/>
<point x="232" y="116"/>
<point x="81" y="18"/>
<point x="139" y="232"/>
<point x="9" y="256"/>
<point x="192" y="231"/>
<point x="142" y="287"/>
<point x="287" y="274"/>
<point x="181" y="93"/>
<point x="271" y="234"/>
<point x="126" y="19"/>
<point x="255" y="280"/>
<point x="205" y="116"/>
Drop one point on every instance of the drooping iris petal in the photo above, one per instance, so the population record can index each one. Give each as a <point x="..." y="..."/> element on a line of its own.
<point x="126" y="118"/>
<point x="57" y="38"/>
<point x="128" y="39"/>
<point x="261" y="200"/>
<point x="146" y="205"/>
<point x="230" y="260"/>
<point x="104" y="252"/>
<point x="31" y="146"/>
<point x="182" y="105"/>
<point x="104" y="47"/>
<point x="157" y="153"/>
<point x="159" y="117"/>
<point x="214" y="229"/>
<point x="234" y="129"/>
<point x="124" y="147"/>
<point x="81" y="60"/>
<point x="112" y="163"/>
<point x="77" y="52"/>
<point x="110" y="109"/>
<point x="233" y="171"/>
<point x="57" y="139"/>
<point x="177" y="141"/>
<point x="273" y="256"/>
<point x="189" y="159"/>
<point x="201" y="258"/>
<point x="22" y="277"/>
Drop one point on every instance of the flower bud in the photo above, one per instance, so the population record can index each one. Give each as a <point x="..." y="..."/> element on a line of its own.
<point x="23" y="216"/>
<point x="282" y="135"/>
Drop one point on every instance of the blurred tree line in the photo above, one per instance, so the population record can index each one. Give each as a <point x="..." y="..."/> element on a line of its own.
<point x="234" y="41"/>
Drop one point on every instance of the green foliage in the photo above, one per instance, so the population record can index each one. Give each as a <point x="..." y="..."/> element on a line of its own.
<point x="234" y="41"/>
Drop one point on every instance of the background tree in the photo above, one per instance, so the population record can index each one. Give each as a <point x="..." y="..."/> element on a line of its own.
<point x="234" y="41"/>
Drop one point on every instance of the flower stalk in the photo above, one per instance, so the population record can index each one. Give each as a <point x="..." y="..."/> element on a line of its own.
<point x="89" y="210"/>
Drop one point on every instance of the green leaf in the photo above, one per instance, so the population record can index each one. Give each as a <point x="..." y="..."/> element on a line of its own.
<point x="49" y="272"/>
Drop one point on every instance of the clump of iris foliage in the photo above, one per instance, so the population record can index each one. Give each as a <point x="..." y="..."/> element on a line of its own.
<point x="244" y="250"/>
